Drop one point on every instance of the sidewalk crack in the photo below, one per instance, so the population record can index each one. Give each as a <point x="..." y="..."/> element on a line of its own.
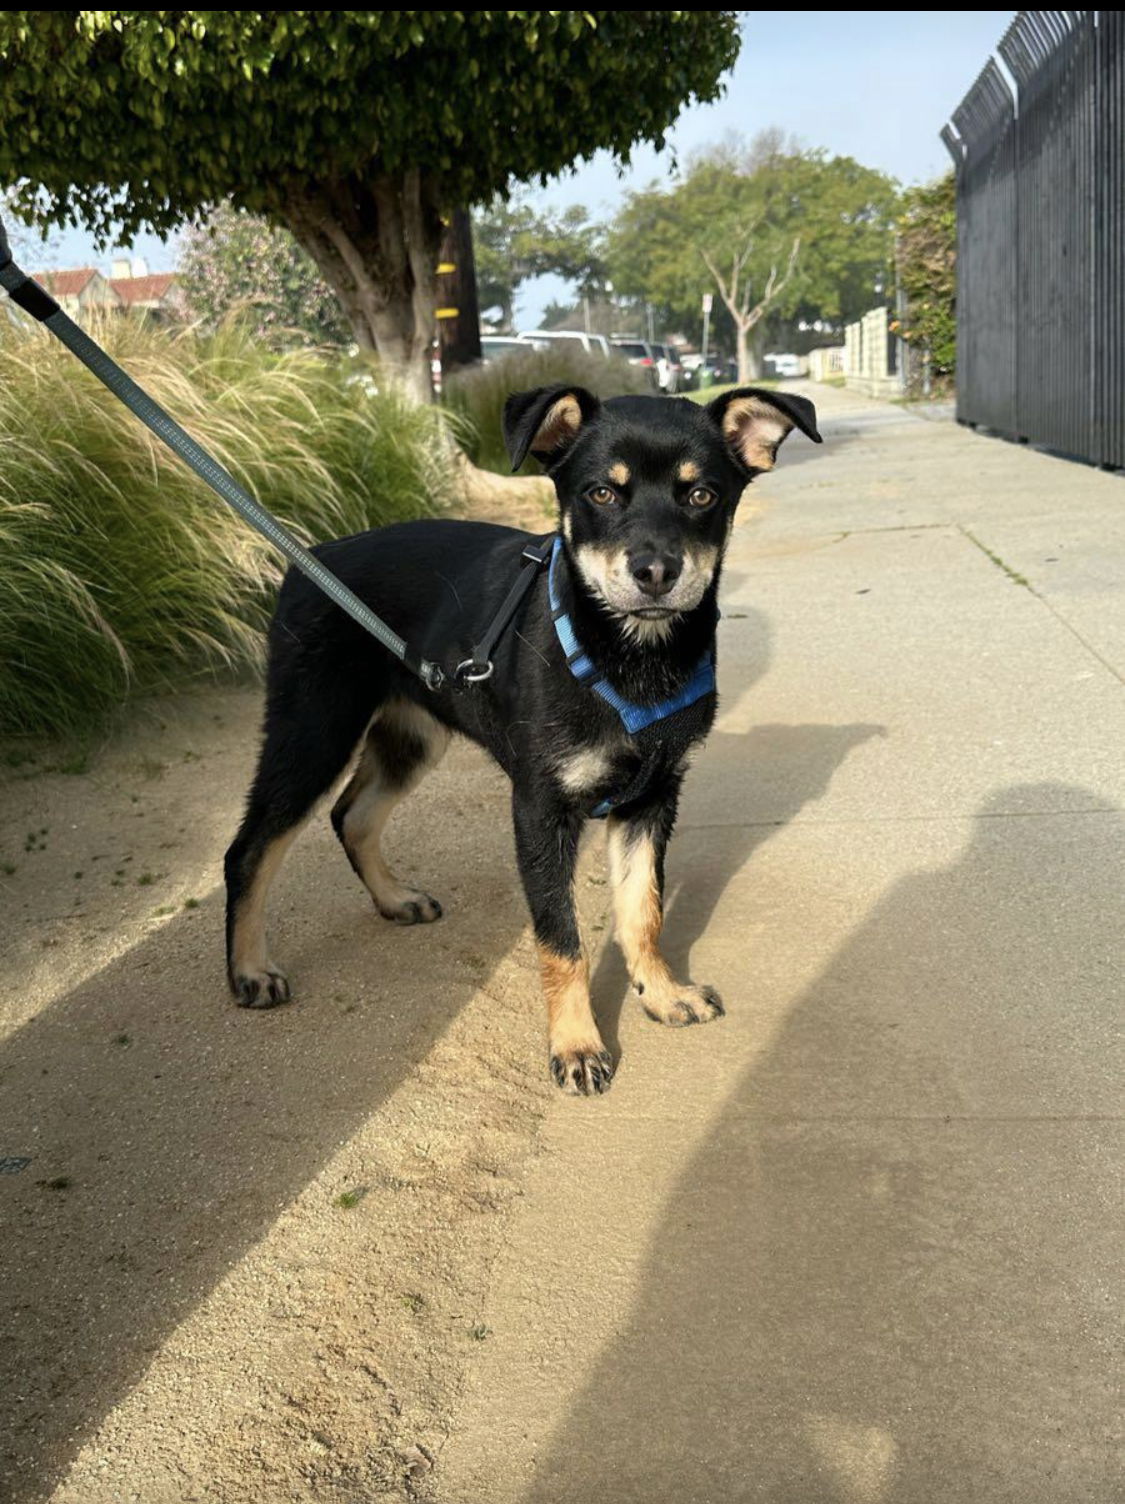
<point x="1019" y="579"/>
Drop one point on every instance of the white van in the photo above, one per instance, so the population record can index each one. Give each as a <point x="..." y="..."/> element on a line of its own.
<point x="593" y="344"/>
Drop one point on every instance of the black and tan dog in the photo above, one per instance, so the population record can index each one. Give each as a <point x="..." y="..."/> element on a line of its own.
<point x="601" y="686"/>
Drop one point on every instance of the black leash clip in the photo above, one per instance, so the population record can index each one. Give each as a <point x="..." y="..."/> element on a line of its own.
<point x="478" y="666"/>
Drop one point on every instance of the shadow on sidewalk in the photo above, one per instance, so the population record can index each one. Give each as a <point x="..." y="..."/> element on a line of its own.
<point x="814" y="753"/>
<point x="169" y="1129"/>
<point x="887" y="1279"/>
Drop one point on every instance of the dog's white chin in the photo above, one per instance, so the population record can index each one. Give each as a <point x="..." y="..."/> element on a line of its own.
<point x="647" y="627"/>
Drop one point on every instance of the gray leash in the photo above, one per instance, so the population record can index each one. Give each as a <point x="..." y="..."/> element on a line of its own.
<point x="33" y="300"/>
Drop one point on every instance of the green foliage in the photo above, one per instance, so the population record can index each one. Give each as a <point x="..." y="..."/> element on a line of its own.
<point x="556" y="314"/>
<point x="927" y="270"/>
<point x="708" y="394"/>
<point x="238" y="261"/>
<point x="476" y="396"/>
<point x="758" y="199"/>
<point x="512" y="243"/>
<point x="120" y="572"/>
<point x="143" y="118"/>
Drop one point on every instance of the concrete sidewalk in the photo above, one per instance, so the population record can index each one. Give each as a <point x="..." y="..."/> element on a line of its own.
<point x="860" y="1240"/>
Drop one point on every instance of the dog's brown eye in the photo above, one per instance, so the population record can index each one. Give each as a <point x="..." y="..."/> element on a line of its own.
<point x="701" y="497"/>
<point x="601" y="495"/>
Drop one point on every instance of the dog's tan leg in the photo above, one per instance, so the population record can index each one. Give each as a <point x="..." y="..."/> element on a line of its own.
<point x="638" y="904"/>
<point x="580" y="1062"/>
<point x="547" y="835"/>
<point x="257" y="982"/>
<point x="404" y="743"/>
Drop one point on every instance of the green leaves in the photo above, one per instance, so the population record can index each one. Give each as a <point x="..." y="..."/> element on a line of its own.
<point x="752" y="201"/>
<point x="927" y="270"/>
<point x="237" y="263"/>
<point x="324" y="121"/>
<point x="512" y="243"/>
<point x="116" y="113"/>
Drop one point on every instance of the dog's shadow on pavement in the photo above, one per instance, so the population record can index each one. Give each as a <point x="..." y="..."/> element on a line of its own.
<point x="167" y="1128"/>
<point x="794" y="763"/>
<point x="886" y="1273"/>
<point x="813" y="754"/>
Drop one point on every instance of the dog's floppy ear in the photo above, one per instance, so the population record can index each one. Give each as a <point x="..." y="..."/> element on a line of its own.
<point x="546" y="421"/>
<point x="755" y="421"/>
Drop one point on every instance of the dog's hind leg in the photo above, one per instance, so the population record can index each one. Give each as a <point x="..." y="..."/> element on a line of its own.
<point x="404" y="742"/>
<point x="302" y="756"/>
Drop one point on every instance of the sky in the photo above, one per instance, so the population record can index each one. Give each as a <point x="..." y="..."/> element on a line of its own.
<point x="870" y="84"/>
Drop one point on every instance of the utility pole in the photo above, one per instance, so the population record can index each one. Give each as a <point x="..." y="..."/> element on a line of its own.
<point x="708" y="298"/>
<point x="458" y="310"/>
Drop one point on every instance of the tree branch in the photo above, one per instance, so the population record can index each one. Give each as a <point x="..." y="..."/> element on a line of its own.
<point x="773" y="288"/>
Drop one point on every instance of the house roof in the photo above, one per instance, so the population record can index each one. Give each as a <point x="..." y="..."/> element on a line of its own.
<point x="68" y="284"/>
<point x="148" y="289"/>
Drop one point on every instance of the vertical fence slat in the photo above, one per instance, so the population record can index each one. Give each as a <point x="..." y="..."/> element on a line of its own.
<point x="1107" y="322"/>
<point x="986" y="255"/>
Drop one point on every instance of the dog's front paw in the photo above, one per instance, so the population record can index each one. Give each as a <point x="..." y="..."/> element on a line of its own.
<point x="411" y="907"/>
<point x="260" y="989"/>
<point x="582" y="1071"/>
<point x="684" y="1005"/>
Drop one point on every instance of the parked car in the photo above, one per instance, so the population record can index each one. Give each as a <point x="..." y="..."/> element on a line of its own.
<point x="496" y="346"/>
<point x="593" y="344"/>
<point x="785" y="365"/>
<point x="695" y="374"/>
<point x="668" y="369"/>
<point x="638" y="352"/>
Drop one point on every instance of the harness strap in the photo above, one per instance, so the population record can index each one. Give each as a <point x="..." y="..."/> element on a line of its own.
<point x="27" y="294"/>
<point x="478" y="665"/>
<point x="635" y="718"/>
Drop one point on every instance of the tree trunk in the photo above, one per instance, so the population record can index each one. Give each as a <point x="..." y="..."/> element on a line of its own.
<point x="757" y="344"/>
<point x="459" y="315"/>
<point x="749" y="340"/>
<point x="742" y="349"/>
<point x="376" y="244"/>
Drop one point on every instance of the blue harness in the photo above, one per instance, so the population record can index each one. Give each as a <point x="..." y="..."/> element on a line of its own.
<point x="634" y="717"/>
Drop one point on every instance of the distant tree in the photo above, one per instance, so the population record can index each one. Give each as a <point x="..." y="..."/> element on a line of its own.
<point x="558" y="315"/>
<point x="514" y="243"/>
<point x="240" y="261"/>
<point x="926" y="267"/>
<point x="355" y="130"/>
<point x="772" y="229"/>
<point x="33" y="248"/>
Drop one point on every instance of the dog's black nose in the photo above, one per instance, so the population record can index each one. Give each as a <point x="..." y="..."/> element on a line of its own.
<point x="655" y="573"/>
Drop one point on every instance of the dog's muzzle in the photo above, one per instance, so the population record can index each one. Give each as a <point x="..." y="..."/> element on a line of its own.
<point x="655" y="574"/>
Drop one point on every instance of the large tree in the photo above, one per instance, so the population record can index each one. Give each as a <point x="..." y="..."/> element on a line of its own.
<point x="354" y="129"/>
<point x="771" y="228"/>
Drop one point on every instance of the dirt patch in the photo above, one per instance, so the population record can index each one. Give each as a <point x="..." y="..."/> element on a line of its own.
<point x="248" y="1256"/>
<point x="526" y="501"/>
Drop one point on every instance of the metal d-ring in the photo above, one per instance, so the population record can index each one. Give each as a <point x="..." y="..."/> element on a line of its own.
<point x="471" y="672"/>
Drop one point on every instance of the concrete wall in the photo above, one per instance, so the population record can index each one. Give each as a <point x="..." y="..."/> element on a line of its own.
<point x="826" y="362"/>
<point x="866" y="367"/>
